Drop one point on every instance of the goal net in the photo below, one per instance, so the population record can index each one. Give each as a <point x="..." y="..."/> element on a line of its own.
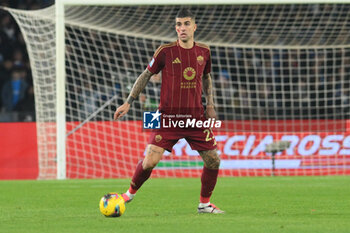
<point x="280" y="73"/>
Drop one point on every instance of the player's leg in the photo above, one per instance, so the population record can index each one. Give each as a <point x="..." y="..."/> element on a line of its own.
<point x="209" y="177"/>
<point x="143" y="170"/>
<point x="204" y="142"/>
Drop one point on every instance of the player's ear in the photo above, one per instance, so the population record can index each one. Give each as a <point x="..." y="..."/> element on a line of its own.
<point x="195" y="27"/>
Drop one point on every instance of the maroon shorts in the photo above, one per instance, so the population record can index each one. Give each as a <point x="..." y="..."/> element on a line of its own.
<point x="200" y="139"/>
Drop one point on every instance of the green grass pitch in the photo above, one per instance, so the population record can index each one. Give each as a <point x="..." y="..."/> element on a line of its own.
<point x="252" y="204"/>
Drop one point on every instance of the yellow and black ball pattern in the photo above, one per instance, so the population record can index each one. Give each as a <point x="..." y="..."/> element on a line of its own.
<point x="112" y="205"/>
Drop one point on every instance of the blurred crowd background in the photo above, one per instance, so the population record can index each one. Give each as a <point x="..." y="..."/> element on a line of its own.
<point x="16" y="85"/>
<point x="249" y="83"/>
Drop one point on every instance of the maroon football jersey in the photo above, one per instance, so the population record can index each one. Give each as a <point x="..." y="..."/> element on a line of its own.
<point x="182" y="72"/>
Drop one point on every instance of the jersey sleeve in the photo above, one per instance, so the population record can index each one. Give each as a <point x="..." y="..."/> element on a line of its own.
<point x="207" y="68"/>
<point x="157" y="62"/>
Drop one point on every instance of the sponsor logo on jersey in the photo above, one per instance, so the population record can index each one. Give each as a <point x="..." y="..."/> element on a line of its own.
<point x="189" y="73"/>
<point x="177" y="61"/>
<point x="200" y="60"/>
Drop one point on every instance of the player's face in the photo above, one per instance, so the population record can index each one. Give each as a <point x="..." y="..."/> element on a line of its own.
<point x="185" y="28"/>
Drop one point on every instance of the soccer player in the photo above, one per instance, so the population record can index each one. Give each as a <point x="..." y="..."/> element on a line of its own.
<point x="185" y="66"/>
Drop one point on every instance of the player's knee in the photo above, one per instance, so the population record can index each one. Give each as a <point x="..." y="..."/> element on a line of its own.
<point x="212" y="163"/>
<point x="215" y="163"/>
<point x="211" y="159"/>
<point x="149" y="164"/>
<point x="153" y="156"/>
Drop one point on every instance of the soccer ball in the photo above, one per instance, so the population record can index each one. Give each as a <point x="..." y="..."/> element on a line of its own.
<point x="112" y="205"/>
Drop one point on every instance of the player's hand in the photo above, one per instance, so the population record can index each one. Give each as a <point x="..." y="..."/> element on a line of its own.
<point x="210" y="112"/>
<point x="121" y="111"/>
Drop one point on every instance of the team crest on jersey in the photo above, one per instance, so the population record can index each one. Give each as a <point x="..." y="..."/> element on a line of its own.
<point x="200" y="60"/>
<point x="158" y="138"/>
<point x="189" y="73"/>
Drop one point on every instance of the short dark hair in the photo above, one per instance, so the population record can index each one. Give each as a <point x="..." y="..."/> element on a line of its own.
<point x="183" y="13"/>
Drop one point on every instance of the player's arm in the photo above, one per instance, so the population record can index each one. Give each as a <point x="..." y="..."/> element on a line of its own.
<point x="137" y="88"/>
<point x="208" y="91"/>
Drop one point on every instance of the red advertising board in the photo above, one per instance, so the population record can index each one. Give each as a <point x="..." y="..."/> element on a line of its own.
<point x="112" y="149"/>
<point x="18" y="151"/>
<point x="311" y="152"/>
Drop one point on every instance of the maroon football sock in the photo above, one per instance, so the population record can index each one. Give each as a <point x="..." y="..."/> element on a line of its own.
<point x="209" y="178"/>
<point x="140" y="176"/>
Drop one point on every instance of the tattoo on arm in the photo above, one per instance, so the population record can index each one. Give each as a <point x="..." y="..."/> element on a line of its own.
<point x="139" y="85"/>
<point x="211" y="159"/>
<point x="208" y="89"/>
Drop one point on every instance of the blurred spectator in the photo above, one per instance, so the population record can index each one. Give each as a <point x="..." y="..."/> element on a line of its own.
<point x="15" y="89"/>
<point x="88" y="99"/>
<point x="8" y="28"/>
<point x="25" y="106"/>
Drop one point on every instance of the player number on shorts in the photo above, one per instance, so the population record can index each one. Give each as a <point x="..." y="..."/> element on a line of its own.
<point x="208" y="138"/>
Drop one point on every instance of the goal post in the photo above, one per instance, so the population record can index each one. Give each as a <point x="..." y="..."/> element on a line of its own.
<point x="280" y="73"/>
<point x="61" y="90"/>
